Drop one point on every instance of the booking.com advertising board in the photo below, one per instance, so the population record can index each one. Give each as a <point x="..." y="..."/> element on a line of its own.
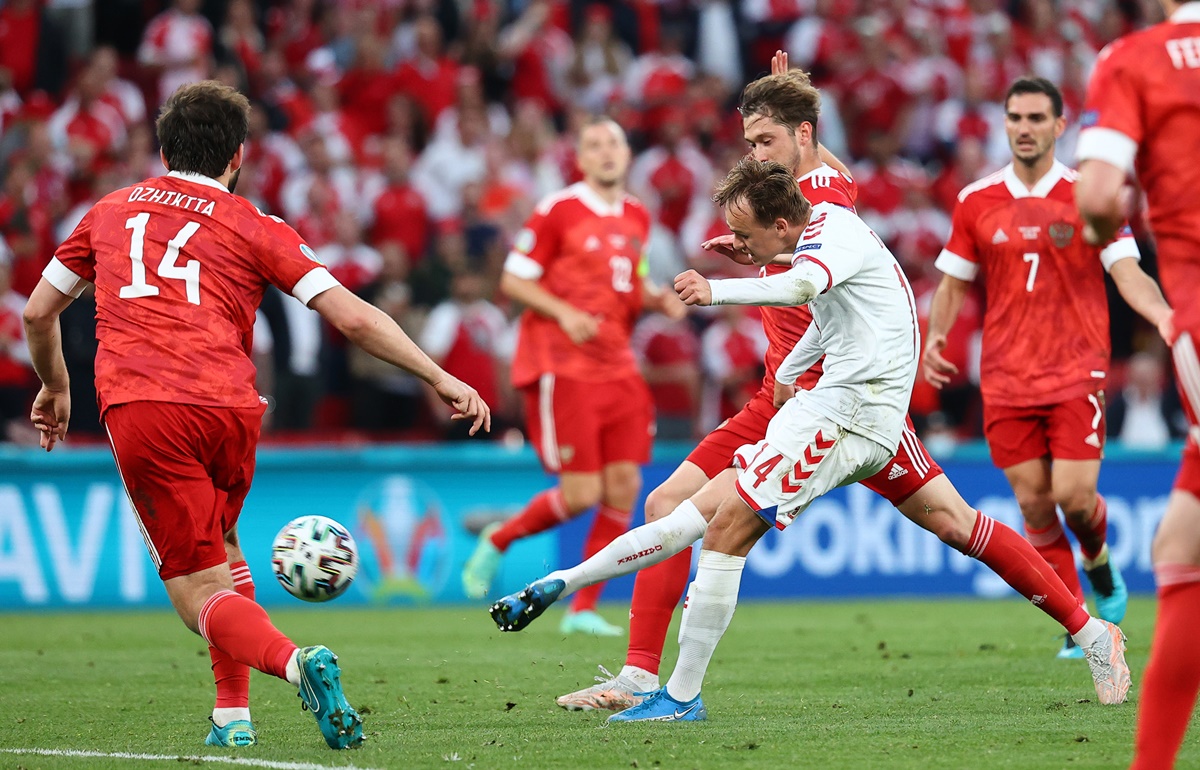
<point x="68" y="538"/>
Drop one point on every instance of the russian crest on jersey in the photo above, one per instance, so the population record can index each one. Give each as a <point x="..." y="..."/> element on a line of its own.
<point x="314" y="558"/>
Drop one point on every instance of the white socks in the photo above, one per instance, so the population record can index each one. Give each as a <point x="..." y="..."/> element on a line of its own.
<point x="293" y="668"/>
<point x="637" y="549"/>
<point x="711" y="600"/>
<point x="222" y="717"/>
<point x="645" y="681"/>
<point x="1091" y="631"/>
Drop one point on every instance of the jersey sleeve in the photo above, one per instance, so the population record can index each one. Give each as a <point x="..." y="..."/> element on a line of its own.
<point x="290" y="263"/>
<point x="74" y="264"/>
<point x="959" y="259"/>
<point x="1122" y="247"/>
<point x="536" y="246"/>
<point x="1112" y="115"/>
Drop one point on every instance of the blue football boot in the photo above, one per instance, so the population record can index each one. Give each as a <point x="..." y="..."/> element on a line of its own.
<point x="1070" y="650"/>
<point x="239" y="733"/>
<point x="1112" y="597"/>
<point x="515" y="611"/>
<point x="321" y="693"/>
<point x="660" y="707"/>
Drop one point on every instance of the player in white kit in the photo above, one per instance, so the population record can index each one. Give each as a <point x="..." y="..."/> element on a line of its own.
<point x="845" y="429"/>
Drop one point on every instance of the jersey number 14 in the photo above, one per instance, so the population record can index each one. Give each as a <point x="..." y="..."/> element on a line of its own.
<point x="168" y="266"/>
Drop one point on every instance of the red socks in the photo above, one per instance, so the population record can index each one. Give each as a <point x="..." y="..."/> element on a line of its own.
<point x="608" y="526"/>
<point x="233" y="678"/>
<point x="1052" y="544"/>
<point x="544" y="511"/>
<point x="1093" y="532"/>
<point x="656" y="592"/>
<point x="240" y="628"/>
<point x="1012" y="558"/>
<point x="1172" y="677"/>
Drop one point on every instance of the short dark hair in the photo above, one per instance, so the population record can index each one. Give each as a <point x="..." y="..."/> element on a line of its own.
<point x="201" y="126"/>
<point x="1032" y="85"/>
<point x="788" y="99"/>
<point x="767" y="188"/>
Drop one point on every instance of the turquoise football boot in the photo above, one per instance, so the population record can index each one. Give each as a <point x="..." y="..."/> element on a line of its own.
<point x="1112" y="598"/>
<point x="321" y="693"/>
<point x="237" y="733"/>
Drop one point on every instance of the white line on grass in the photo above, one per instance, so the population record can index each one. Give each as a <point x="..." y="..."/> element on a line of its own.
<point x="243" y="761"/>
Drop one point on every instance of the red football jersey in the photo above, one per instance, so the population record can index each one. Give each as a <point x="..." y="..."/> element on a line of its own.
<point x="1045" y="329"/>
<point x="785" y="326"/>
<point x="583" y="250"/>
<point x="180" y="265"/>
<point x="1143" y="113"/>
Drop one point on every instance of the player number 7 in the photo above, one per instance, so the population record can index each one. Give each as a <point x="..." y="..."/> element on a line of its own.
<point x="1032" y="258"/>
<point x="168" y="266"/>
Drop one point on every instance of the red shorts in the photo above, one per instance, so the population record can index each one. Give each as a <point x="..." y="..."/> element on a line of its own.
<point x="715" y="451"/>
<point x="580" y="427"/>
<point x="187" y="470"/>
<point x="909" y="470"/>
<point x="1187" y="374"/>
<point x="1070" y="430"/>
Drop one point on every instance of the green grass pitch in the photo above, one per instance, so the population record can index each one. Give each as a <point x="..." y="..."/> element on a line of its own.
<point x="896" y="684"/>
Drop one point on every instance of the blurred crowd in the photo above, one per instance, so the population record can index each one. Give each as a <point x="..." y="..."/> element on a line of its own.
<point x="408" y="140"/>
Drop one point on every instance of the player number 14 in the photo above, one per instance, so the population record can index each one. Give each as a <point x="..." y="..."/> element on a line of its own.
<point x="168" y="266"/>
<point x="1032" y="258"/>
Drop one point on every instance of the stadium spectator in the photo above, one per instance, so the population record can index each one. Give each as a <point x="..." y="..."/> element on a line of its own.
<point x="449" y="163"/>
<point x="731" y="352"/>
<point x="347" y="257"/>
<point x="599" y="61"/>
<point x="16" y="375"/>
<point x="117" y="91"/>
<point x="667" y="351"/>
<point x="20" y="33"/>
<point x="399" y="211"/>
<point x="428" y="76"/>
<point x="1145" y="414"/>
<point x="672" y="176"/>
<point x="178" y="44"/>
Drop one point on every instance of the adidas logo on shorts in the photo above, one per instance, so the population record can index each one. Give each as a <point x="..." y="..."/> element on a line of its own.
<point x="896" y="472"/>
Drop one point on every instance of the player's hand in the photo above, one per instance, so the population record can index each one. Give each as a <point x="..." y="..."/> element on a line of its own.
<point x="783" y="393"/>
<point x="938" y="370"/>
<point x="723" y="244"/>
<point x="51" y="413"/>
<point x="466" y="402"/>
<point x="779" y="63"/>
<point x="668" y="304"/>
<point x="693" y="288"/>
<point x="1166" y="328"/>
<point x="578" y="325"/>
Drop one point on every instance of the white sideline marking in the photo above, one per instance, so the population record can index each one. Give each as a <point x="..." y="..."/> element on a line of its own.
<point x="243" y="761"/>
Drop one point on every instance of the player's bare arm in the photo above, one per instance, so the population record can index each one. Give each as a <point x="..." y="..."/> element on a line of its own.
<point x="578" y="325"/>
<point x="375" y="332"/>
<point x="52" y="407"/>
<point x="947" y="303"/>
<point x="1143" y="294"/>
<point x="1102" y="198"/>
<point x="656" y="299"/>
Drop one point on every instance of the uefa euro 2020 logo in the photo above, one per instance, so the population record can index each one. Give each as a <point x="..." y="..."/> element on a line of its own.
<point x="403" y="544"/>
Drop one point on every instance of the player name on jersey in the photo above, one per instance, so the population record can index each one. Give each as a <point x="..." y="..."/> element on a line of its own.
<point x="172" y="198"/>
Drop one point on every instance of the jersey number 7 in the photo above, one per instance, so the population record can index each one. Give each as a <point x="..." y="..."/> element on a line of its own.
<point x="168" y="266"/>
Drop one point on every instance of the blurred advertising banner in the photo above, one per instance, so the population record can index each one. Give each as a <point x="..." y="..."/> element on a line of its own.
<point x="68" y="538"/>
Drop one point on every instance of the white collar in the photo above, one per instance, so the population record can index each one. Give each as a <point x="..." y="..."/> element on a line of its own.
<point x="598" y="205"/>
<point x="1043" y="186"/>
<point x="189" y="176"/>
<point x="824" y="170"/>
<point x="1188" y="13"/>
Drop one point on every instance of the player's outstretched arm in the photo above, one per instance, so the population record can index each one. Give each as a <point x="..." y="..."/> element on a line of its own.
<point x="1144" y="296"/>
<point x="375" y="332"/>
<point x="1102" y="199"/>
<point x="52" y="407"/>
<point x="575" y="323"/>
<point x="798" y="286"/>
<point x="947" y="302"/>
<point x="802" y="357"/>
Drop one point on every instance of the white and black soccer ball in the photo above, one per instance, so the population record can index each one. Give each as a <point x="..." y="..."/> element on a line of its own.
<point x="314" y="558"/>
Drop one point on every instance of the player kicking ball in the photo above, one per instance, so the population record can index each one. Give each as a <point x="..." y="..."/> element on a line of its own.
<point x="840" y="432"/>
<point x="179" y="264"/>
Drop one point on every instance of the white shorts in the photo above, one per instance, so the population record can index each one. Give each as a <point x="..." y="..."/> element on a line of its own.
<point x="804" y="456"/>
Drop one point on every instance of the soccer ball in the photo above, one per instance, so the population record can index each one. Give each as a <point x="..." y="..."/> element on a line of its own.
<point x="314" y="558"/>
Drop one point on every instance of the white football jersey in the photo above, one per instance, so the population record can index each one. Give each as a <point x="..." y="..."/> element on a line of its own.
<point x="864" y="322"/>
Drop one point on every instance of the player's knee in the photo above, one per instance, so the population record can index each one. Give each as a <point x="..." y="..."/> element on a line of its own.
<point x="580" y="497"/>
<point x="660" y="503"/>
<point x="1076" y="500"/>
<point x="952" y="532"/>
<point x="621" y="490"/>
<point x="1037" y="507"/>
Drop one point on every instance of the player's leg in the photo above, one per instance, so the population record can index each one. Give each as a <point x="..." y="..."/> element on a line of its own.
<point x="625" y="415"/>
<point x="1076" y="434"/>
<point x="563" y="426"/>
<point x="232" y="725"/>
<point x="638" y="548"/>
<point x="190" y="468"/>
<point x="804" y="456"/>
<point x="1172" y="678"/>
